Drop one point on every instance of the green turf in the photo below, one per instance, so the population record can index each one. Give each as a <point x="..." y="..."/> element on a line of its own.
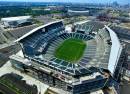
<point x="70" y="50"/>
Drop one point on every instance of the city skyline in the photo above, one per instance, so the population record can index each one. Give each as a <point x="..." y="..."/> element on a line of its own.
<point x="75" y="1"/>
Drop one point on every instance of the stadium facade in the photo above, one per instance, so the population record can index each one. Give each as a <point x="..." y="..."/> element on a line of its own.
<point x="99" y="67"/>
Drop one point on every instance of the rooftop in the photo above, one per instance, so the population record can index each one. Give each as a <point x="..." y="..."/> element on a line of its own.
<point x="8" y="19"/>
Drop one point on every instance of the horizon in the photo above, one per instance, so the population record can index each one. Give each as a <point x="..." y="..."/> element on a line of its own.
<point x="73" y="1"/>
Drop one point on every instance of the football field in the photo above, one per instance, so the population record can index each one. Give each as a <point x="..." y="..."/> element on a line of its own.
<point x="70" y="50"/>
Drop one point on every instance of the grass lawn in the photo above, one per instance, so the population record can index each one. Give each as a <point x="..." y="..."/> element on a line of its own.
<point x="70" y="50"/>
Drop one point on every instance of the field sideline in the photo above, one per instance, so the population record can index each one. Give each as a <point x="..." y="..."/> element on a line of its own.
<point x="70" y="50"/>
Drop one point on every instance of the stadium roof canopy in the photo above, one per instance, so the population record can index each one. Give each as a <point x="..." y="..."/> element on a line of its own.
<point x="36" y="29"/>
<point x="116" y="49"/>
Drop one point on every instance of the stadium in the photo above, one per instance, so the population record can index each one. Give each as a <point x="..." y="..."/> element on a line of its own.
<point x="77" y="62"/>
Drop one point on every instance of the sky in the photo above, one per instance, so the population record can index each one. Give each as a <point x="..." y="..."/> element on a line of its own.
<point x="80" y="1"/>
